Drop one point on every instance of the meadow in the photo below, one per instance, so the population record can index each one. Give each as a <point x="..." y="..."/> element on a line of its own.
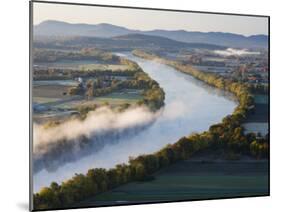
<point x="191" y="180"/>
<point x="95" y="66"/>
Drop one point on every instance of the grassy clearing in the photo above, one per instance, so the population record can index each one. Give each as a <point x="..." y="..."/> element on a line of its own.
<point x="257" y="122"/>
<point x="50" y="91"/>
<point x="113" y="99"/>
<point x="130" y="96"/>
<point x="113" y="67"/>
<point x="191" y="180"/>
<point x="260" y="113"/>
<point x="43" y="100"/>
<point x="118" y="98"/>
<point x="261" y="99"/>
<point x="256" y="127"/>
<point x="126" y="94"/>
<point x="55" y="82"/>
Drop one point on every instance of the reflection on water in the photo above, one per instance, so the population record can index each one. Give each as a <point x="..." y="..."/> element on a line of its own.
<point x="190" y="107"/>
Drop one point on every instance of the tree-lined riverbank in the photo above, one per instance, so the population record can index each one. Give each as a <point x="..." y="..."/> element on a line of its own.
<point x="226" y="136"/>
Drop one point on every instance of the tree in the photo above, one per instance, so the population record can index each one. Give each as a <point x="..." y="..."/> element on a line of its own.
<point x="89" y="89"/>
<point x="140" y="171"/>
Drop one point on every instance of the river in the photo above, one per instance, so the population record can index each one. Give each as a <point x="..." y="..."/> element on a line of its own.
<point x="190" y="106"/>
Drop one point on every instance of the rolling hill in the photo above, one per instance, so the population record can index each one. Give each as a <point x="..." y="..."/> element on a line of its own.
<point x="117" y="43"/>
<point x="58" y="28"/>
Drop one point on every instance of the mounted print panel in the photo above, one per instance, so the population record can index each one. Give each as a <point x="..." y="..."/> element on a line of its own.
<point x="139" y="105"/>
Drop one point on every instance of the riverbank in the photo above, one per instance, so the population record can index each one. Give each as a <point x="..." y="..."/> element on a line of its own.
<point x="238" y="142"/>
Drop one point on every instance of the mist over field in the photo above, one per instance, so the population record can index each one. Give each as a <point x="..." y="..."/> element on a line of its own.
<point x="239" y="52"/>
<point x="99" y="121"/>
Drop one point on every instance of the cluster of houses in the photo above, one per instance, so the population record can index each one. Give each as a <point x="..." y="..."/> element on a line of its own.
<point x="251" y="68"/>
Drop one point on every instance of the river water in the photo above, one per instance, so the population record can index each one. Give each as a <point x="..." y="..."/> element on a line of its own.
<point x="190" y="106"/>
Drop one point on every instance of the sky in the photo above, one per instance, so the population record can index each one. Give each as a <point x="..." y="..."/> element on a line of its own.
<point x="150" y="19"/>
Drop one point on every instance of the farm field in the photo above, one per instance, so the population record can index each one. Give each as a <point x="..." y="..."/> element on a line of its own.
<point x="113" y="67"/>
<point x="51" y="103"/>
<point x="261" y="109"/>
<point x="118" y="97"/>
<point x="53" y="116"/>
<point x="190" y="180"/>
<point x="258" y="121"/>
<point x="256" y="127"/>
<point x="123" y="96"/>
<point x="55" y="82"/>
<point x="261" y="99"/>
<point x="50" y="91"/>
<point x="51" y="98"/>
<point x="260" y="114"/>
<point x="68" y="62"/>
<point x="112" y="99"/>
<point x="83" y="65"/>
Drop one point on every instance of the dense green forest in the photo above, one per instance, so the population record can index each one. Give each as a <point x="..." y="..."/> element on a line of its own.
<point x="227" y="137"/>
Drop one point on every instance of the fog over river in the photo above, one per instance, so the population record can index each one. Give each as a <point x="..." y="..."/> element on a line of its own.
<point x="190" y="106"/>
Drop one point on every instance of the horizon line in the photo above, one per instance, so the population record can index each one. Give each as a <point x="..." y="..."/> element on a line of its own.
<point x="55" y="20"/>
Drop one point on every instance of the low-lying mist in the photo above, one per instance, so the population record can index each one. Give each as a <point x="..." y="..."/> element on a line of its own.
<point x="102" y="120"/>
<point x="66" y="142"/>
<point x="239" y="52"/>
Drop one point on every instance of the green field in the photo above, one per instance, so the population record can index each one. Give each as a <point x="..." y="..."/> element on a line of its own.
<point x="51" y="97"/>
<point x="190" y="180"/>
<point x="113" y="99"/>
<point x="43" y="100"/>
<point x="93" y="66"/>
<point x="123" y="96"/>
<point x="257" y="121"/>
<point x="261" y="99"/>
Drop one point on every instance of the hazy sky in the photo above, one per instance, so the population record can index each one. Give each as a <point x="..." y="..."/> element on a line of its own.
<point x="149" y="20"/>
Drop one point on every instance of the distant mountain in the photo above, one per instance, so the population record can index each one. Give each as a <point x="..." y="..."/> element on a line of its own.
<point x="123" y="42"/>
<point x="55" y="28"/>
<point x="161" y="41"/>
<point x="219" y="38"/>
<point x="58" y="28"/>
